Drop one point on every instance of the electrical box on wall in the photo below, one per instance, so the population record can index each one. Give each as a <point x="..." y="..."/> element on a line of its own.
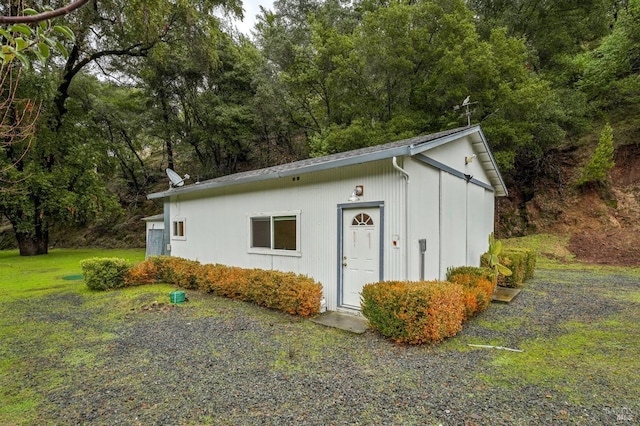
<point x="395" y="241"/>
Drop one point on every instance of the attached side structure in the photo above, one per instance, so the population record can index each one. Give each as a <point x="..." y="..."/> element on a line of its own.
<point x="405" y="210"/>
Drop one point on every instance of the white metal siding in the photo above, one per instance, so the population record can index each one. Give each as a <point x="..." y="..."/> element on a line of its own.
<point x="154" y="224"/>
<point x="453" y="215"/>
<point x="489" y="217"/>
<point x="424" y="219"/>
<point x="217" y="222"/>
<point x="466" y="209"/>
<point x="477" y="235"/>
<point x="453" y="155"/>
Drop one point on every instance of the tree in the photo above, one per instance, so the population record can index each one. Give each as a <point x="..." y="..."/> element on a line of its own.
<point x="38" y="192"/>
<point x="601" y="162"/>
<point x="117" y="118"/>
<point x="203" y="101"/>
<point x="552" y="29"/>
<point x="611" y="72"/>
<point x="19" y="116"/>
<point x="21" y="41"/>
<point x="18" y="119"/>
<point x="218" y="110"/>
<point x="364" y="75"/>
<point x="31" y="16"/>
<point x="114" y="37"/>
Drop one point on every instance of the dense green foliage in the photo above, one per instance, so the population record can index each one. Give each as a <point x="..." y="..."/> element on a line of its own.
<point x="520" y="261"/>
<point x="601" y="162"/>
<point x="146" y="85"/>
<point x="105" y="273"/>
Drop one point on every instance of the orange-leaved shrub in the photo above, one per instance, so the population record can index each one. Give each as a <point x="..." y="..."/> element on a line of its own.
<point x="225" y="281"/>
<point x="141" y="273"/>
<point x="478" y="285"/>
<point x="414" y="312"/>
<point x="285" y="291"/>
<point x="181" y="272"/>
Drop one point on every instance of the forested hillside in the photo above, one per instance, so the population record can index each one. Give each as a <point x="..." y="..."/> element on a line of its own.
<point x="91" y="121"/>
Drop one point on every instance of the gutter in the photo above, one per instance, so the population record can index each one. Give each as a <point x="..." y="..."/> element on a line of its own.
<point x="406" y="177"/>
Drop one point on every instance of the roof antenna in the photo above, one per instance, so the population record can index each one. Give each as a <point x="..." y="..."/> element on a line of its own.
<point x="467" y="112"/>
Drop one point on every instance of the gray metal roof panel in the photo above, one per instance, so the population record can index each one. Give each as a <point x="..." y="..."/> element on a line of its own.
<point x="358" y="156"/>
<point x="156" y="217"/>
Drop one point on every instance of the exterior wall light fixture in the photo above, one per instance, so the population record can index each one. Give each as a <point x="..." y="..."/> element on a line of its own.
<point x="357" y="193"/>
<point x="469" y="159"/>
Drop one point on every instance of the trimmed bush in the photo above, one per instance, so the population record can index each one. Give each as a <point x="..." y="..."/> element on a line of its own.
<point x="521" y="261"/>
<point x="524" y="262"/>
<point x="175" y="270"/>
<point x="414" y="312"/>
<point x="104" y="273"/>
<point x="285" y="291"/>
<point x="531" y="259"/>
<point x="141" y="273"/>
<point x="480" y="272"/>
<point x="477" y="284"/>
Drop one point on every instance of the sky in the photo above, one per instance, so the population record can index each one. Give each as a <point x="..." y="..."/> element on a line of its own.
<point x="251" y="9"/>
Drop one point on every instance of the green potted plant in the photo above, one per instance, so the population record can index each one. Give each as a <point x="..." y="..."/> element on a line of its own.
<point x="493" y="258"/>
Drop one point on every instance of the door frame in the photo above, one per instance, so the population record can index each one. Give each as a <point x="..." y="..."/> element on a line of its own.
<point x="356" y="206"/>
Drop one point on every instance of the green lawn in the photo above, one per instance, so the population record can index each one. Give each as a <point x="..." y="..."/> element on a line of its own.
<point x="52" y="326"/>
<point x="29" y="342"/>
<point x="24" y="277"/>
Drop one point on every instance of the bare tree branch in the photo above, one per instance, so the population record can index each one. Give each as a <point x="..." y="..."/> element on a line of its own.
<point x="17" y="121"/>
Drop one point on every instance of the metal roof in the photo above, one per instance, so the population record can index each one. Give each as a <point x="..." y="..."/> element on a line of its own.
<point x="412" y="146"/>
<point x="154" y="218"/>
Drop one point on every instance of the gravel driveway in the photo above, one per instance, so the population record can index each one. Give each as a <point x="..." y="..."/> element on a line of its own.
<point x="245" y="365"/>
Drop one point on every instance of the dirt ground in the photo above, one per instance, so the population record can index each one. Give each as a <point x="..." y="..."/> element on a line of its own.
<point x="617" y="241"/>
<point x="611" y="248"/>
<point x="603" y="221"/>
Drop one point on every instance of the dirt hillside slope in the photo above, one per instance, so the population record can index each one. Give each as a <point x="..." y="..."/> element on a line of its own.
<point x="603" y="222"/>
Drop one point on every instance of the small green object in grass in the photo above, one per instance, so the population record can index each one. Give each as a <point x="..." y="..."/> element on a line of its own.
<point x="176" y="296"/>
<point x="73" y="277"/>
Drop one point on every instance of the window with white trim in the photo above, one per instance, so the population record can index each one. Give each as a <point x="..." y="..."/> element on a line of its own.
<point x="274" y="232"/>
<point x="179" y="229"/>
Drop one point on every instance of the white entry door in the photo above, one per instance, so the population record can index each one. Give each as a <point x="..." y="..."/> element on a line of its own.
<point x="360" y="251"/>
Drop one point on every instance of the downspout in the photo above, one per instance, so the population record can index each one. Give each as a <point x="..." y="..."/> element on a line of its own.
<point x="166" y="240"/>
<point x="405" y="175"/>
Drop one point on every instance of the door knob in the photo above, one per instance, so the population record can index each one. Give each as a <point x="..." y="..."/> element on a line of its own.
<point x="344" y="263"/>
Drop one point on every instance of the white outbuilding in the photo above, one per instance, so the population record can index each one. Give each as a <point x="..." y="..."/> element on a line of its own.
<point x="406" y="210"/>
<point x="155" y="237"/>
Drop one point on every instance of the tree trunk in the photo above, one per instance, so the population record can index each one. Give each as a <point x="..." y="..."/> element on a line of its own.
<point x="33" y="245"/>
<point x="36" y="241"/>
<point x="165" y="118"/>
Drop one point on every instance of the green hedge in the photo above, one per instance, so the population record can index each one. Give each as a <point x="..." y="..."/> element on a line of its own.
<point x="521" y="262"/>
<point x="480" y="272"/>
<point x="414" y="312"/>
<point x="104" y="273"/>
